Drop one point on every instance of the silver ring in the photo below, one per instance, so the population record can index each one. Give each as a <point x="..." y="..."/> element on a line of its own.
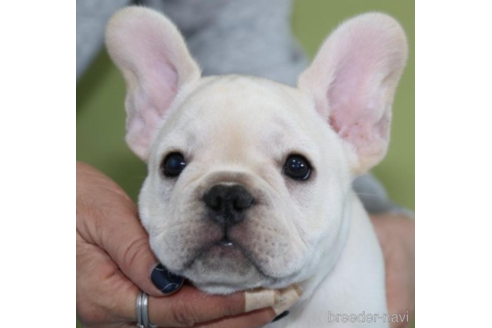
<point x="143" y="320"/>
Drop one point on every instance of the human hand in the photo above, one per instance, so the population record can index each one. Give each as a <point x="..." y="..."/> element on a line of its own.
<point x="114" y="262"/>
<point x="396" y="234"/>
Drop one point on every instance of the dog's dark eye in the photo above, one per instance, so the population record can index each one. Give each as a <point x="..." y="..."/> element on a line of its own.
<point x="173" y="165"/>
<point x="297" y="167"/>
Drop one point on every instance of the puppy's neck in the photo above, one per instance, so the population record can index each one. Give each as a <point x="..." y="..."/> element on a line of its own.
<point x="338" y="281"/>
<point x="312" y="284"/>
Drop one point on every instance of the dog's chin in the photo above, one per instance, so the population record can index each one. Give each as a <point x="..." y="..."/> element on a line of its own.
<point x="224" y="269"/>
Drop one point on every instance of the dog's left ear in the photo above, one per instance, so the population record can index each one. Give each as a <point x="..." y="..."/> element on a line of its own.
<point x="353" y="81"/>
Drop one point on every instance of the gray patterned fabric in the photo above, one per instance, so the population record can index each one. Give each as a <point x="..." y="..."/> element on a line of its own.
<point x="251" y="37"/>
<point x="92" y="16"/>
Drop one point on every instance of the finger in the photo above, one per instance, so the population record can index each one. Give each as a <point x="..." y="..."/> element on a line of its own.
<point x="104" y="293"/>
<point x="109" y="219"/>
<point x="258" y="318"/>
<point x="127" y="243"/>
<point x="191" y="306"/>
<point x="396" y="234"/>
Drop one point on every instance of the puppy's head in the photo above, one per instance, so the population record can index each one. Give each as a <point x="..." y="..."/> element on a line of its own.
<point x="247" y="178"/>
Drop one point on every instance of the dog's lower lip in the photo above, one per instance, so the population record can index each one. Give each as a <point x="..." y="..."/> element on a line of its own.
<point x="226" y="243"/>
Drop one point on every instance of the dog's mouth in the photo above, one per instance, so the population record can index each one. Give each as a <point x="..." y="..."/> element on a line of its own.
<point x="226" y="266"/>
<point x="225" y="250"/>
<point x="223" y="247"/>
<point x="225" y="243"/>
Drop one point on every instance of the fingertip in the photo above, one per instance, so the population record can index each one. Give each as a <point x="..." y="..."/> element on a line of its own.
<point x="165" y="281"/>
<point x="270" y="314"/>
<point x="262" y="317"/>
<point x="259" y="299"/>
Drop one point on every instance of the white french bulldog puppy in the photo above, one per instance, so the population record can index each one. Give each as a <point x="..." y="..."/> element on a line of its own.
<point x="249" y="181"/>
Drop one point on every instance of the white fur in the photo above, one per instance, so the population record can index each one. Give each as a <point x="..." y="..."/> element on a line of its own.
<point x="240" y="130"/>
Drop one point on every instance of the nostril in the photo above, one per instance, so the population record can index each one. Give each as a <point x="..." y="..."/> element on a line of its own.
<point x="215" y="202"/>
<point x="213" y="198"/>
<point x="237" y="205"/>
<point x="242" y="202"/>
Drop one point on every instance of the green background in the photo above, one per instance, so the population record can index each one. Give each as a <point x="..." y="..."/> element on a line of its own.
<point x="312" y="20"/>
<point x="101" y="117"/>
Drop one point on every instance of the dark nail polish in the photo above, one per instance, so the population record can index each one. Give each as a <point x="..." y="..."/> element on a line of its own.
<point x="281" y="315"/>
<point x="165" y="281"/>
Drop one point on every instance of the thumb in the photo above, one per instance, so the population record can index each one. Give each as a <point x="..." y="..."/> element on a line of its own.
<point x="128" y="245"/>
<point x="107" y="217"/>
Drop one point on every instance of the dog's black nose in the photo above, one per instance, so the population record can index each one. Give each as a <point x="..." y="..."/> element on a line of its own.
<point x="227" y="203"/>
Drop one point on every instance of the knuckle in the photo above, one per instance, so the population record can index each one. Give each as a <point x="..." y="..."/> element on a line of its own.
<point x="135" y="250"/>
<point x="230" y="309"/>
<point x="182" y="315"/>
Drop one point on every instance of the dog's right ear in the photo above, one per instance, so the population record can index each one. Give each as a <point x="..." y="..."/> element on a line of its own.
<point x="154" y="60"/>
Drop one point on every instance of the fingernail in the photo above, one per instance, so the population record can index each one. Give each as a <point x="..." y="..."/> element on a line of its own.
<point x="280" y="316"/>
<point x="165" y="281"/>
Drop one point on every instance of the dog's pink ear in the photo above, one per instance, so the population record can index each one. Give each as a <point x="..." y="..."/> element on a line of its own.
<point x="353" y="81"/>
<point x="155" y="63"/>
